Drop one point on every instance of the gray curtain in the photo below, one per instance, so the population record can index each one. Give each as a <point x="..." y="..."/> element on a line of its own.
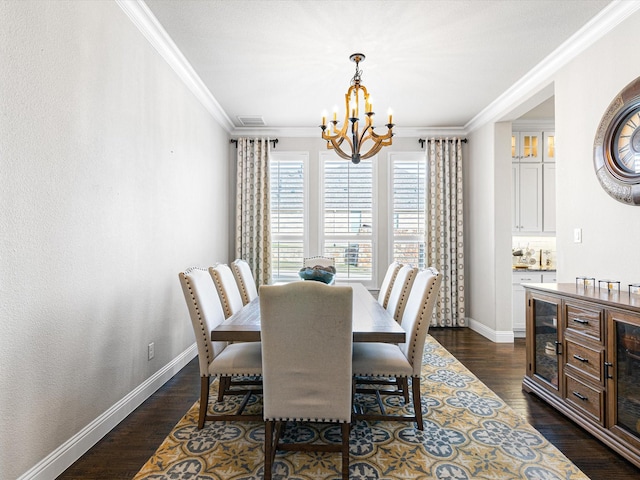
<point x="253" y="220"/>
<point x="445" y="238"/>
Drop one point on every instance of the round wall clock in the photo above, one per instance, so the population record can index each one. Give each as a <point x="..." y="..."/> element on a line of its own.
<point x="616" y="149"/>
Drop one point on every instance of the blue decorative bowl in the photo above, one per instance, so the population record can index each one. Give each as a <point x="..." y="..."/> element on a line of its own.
<point x="317" y="274"/>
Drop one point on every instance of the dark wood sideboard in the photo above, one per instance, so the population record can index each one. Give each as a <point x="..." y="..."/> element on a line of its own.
<point x="583" y="358"/>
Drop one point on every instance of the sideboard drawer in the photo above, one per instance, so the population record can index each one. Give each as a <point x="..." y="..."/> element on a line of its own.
<point x="586" y="398"/>
<point x="584" y="321"/>
<point x="586" y="360"/>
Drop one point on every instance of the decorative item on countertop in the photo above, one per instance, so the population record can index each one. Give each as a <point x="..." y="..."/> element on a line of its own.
<point x="634" y="288"/>
<point x="586" y="282"/>
<point x="318" y="273"/>
<point x="526" y="258"/>
<point x="545" y="259"/>
<point x="517" y="255"/>
<point x="611" y="285"/>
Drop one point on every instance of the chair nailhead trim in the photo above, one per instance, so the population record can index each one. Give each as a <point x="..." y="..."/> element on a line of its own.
<point x="391" y="282"/>
<point x="420" y="320"/>
<point x="197" y="309"/>
<point x="319" y="420"/>
<point x="243" y="288"/>
<point x="223" y="293"/>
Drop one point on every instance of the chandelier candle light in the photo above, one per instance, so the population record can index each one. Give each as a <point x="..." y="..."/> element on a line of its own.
<point x="355" y="96"/>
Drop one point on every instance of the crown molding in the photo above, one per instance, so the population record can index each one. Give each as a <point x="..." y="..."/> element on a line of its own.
<point x="536" y="79"/>
<point x="272" y="132"/>
<point x="139" y="13"/>
<point x="312" y="132"/>
<point x="531" y="124"/>
<point x="424" y="132"/>
<point x="611" y="16"/>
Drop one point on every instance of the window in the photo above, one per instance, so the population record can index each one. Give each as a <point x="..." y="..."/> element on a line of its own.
<point x="288" y="208"/>
<point x="347" y="215"/>
<point x="332" y="207"/>
<point x="408" y="207"/>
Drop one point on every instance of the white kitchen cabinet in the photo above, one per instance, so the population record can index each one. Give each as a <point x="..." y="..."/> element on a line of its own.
<point x="526" y="147"/>
<point x="528" y="197"/>
<point x="534" y="183"/>
<point x="549" y="153"/>
<point x="549" y="197"/>
<point x="518" y="305"/>
<point x="549" y="277"/>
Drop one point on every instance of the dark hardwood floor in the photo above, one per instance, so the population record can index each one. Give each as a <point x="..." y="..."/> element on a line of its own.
<point x="121" y="453"/>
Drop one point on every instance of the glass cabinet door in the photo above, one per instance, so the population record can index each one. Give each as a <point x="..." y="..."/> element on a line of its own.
<point x="625" y="414"/>
<point x="546" y="363"/>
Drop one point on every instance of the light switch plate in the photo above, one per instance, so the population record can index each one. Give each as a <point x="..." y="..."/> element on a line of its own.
<point x="577" y="235"/>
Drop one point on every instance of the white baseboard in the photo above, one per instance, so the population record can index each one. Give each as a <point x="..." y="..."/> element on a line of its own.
<point x="493" y="335"/>
<point x="518" y="333"/>
<point x="66" y="454"/>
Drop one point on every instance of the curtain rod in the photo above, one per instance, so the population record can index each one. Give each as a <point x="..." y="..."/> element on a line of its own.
<point x="235" y="140"/>
<point x="421" y="141"/>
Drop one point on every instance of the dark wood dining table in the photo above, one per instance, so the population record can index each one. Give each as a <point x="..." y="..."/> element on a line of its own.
<point x="371" y="322"/>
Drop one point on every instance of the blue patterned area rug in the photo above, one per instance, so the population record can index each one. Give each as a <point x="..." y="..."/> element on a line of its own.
<point x="469" y="433"/>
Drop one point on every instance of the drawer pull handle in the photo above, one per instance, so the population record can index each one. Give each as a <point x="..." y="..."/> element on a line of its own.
<point x="581" y="321"/>
<point x="606" y="368"/>
<point x="581" y="359"/>
<point x="580" y="396"/>
<point x="558" y="348"/>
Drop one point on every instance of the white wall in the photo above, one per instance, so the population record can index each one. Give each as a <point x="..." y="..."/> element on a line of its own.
<point x="487" y="215"/>
<point x="111" y="179"/>
<point x="106" y="160"/>
<point x="610" y="229"/>
<point x="583" y="90"/>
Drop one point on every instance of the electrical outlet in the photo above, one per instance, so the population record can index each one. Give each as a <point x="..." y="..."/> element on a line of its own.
<point x="151" y="351"/>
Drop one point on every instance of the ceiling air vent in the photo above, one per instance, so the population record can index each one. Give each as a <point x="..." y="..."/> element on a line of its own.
<point x="251" y="120"/>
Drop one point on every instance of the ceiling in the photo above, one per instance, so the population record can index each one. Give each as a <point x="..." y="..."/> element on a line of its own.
<point x="436" y="63"/>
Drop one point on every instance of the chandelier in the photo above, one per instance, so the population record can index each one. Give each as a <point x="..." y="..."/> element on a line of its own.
<point x="354" y="139"/>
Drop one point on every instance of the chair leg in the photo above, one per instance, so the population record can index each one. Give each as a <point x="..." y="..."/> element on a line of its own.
<point x="222" y="387"/>
<point x="353" y="395"/>
<point x="346" y="432"/>
<point x="279" y="431"/>
<point x="268" y="445"/>
<point x="204" y="401"/>
<point x="417" y="403"/>
<point x="404" y="386"/>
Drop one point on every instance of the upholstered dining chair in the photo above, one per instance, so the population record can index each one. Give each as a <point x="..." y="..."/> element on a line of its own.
<point x="387" y="283"/>
<point x="306" y="357"/>
<point x="319" y="260"/>
<point x="244" y="279"/>
<point x="218" y="358"/>
<point x="404" y="360"/>
<point x="400" y="291"/>
<point x="227" y="288"/>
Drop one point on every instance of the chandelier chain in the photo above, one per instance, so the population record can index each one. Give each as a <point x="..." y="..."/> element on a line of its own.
<point x="357" y="76"/>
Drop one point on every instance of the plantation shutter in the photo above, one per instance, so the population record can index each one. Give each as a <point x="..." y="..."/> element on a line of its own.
<point x="348" y="217"/>
<point x="409" y="188"/>
<point x="287" y="216"/>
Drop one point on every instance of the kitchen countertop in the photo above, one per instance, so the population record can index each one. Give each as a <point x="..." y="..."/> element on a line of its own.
<point x="525" y="270"/>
